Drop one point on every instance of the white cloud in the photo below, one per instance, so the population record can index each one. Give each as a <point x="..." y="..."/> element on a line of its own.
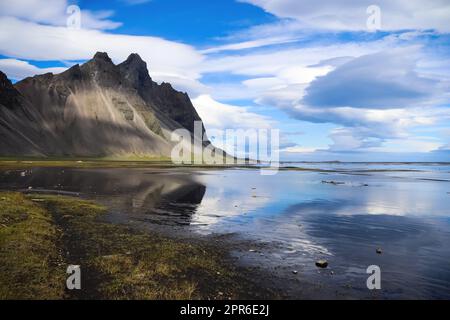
<point x="352" y="15"/>
<point x="17" y="69"/>
<point x="384" y="80"/>
<point x="216" y="115"/>
<point x="135" y="2"/>
<point x="251" y="44"/>
<point x="54" y="12"/>
<point x="299" y="149"/>
<point x="48" y="43"/>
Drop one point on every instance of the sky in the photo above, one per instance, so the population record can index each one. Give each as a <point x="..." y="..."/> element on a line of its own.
<point x="349" y="80"/>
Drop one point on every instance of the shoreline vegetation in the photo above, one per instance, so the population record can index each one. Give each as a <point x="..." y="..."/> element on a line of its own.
<point x="163" y="162"/>
<point x="40" y="235"/>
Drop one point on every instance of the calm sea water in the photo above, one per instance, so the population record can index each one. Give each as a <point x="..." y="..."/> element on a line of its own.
<point x="294" y="218"/>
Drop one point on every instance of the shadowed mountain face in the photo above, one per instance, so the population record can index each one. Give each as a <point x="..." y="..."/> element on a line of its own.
<point x="96" y="109"/>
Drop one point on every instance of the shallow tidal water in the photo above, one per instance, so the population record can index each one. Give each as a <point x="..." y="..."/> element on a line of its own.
<point x="289" y="220"/>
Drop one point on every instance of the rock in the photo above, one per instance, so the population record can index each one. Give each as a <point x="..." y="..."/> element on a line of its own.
<point x="30" y="188"/>
<point x="379" y="251"/>
<point x="294" y="271"/>
<point x="252" y="250"/>
<point x="322" y="263"/>
<point x="23" y="174"/>
<point x="333" y="182"/>
<point x="38" y="200"/>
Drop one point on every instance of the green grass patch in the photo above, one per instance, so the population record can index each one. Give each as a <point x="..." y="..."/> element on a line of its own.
<point x="30" y="262"/>
<point x="41" y="235"/>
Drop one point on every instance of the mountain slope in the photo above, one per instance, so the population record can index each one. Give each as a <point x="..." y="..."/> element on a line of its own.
<point x="93" y="110"/>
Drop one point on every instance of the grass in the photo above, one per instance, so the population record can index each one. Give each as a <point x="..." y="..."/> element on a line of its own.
<point x="11" y="163"/>
<point x="29" y="258"/>
<point x="41" y="235"/>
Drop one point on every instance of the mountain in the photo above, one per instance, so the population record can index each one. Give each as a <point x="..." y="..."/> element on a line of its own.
<point x="92" y="110"/>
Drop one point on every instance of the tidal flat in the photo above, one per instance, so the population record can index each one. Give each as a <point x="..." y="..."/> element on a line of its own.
<point x="165" y="232"/>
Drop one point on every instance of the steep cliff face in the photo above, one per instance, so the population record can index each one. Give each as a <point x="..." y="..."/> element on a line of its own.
<point x="96" y="109"/>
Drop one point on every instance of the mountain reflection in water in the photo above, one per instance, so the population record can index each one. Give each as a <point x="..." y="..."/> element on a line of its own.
<point x="298" y="214"/>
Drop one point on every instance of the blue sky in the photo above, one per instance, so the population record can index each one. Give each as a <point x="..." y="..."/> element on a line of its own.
<point x="336" y="88"/>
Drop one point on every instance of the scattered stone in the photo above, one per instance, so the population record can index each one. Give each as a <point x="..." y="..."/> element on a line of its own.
<point x="333" y="182"/>
<point x="252" y="250"/>
<point x="379" y="251"/>
<point x="220" y="293"/>
<point x="332" y="272"/>
<point x="128" y="253"/>
<point x="38" y="200"/>
<point x="23" y="174"/>
<point x="30" y="188"/>
<point x="322" y="263"/>
<point x="218" y="273"/>
<point x="294" y="271"/>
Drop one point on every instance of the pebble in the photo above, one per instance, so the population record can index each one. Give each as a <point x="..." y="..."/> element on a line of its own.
<point x="322" y="263"/>
<point x="379" y="250"/>
<point x="294" y="271"/>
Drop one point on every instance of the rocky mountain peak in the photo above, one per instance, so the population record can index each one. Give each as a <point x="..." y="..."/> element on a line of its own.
<point x="102" y="56"/>
<point x="9" y="96"/>
<point x="134" y="71"/>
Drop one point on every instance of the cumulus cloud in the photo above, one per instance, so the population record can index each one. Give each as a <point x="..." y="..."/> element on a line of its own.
<point x="352" y="15"/>
<point x="216" y="115"/>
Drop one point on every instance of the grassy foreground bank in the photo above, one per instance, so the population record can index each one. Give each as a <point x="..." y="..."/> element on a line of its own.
<point x="40" y="235"/>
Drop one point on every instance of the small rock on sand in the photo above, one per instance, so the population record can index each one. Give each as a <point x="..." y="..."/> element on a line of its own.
<point x="333" y="182"/>
<point x="294" y="271"/>
<point x="322" y="263"/>
<point x="379" y="251"/>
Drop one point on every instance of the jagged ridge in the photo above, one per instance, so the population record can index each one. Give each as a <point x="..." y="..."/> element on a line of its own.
<point x="94" y="109"/>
